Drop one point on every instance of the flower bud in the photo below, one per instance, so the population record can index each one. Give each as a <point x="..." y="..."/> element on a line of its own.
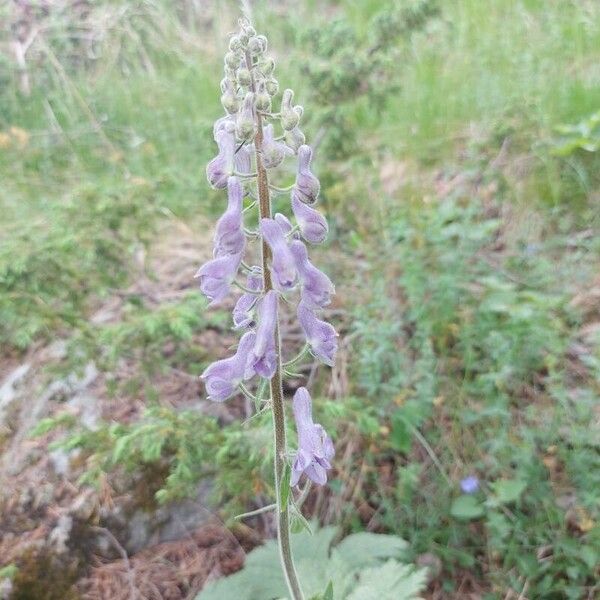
<point x="244" y="77"/>
<point x="232" y="60"/>
<point x="245" y="126"/>
<point x="235" y="43"/>
<point x="229" y="99"/>
<point x="230" y="74"/>
<point x="256" y="45"/>
<point x="272" y="152"/>
<point x="263" y="99"/>
<point x="289" y="117"/>
<point x="307" y="186"/>
<point x="272" y="86"/>
<point x="266" y="66"/>
<point x="295" y="138"/>
<point x="248" y="30"/>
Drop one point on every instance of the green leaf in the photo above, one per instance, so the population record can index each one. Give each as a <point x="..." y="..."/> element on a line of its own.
<point x="508" y="490"/>
<point x="590" y="556"/>
<point x="390" y="581"/>
<point x="466" y="508"/>
<point x="363" y="549"/>
<point x="8" y="572"/>
<point x="321" y="567"/>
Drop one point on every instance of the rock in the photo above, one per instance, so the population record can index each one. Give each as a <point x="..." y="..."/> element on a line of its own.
<point x="60" y="535"/>
<point x="88" y="410"/>
<point x="167" y="523"/>
<point x="8" y="389"/>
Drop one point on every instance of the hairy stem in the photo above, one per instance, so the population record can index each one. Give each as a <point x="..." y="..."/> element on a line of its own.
<point x="283" y="514"/>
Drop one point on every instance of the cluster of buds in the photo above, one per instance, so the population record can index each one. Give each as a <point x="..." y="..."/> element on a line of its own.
<point x="252" y="140"/>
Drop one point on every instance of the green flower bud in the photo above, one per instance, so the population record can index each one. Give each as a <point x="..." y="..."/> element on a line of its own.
<point x="235" y="43"/>
<point x="229" y="99"/>
<point x="272" y="86"/>
<point x="230" y="73"/>
<point x="263" y="102"/>
<point x="266" y="66"/>
<point x="294" y="138"/>
<point x="243" y="77"/>
<point x="245" y="126"/>
<point x="289" y="117"/>
<point x="257" y="45"/>
<point x="232" y="60"/>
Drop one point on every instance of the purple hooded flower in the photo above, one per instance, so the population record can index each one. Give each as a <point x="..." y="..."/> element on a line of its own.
<point x="229" y="234"/>
<point x="222" y="123"/>
<point x="263" y="358"/>
<point x="242" y="158"/>
<point x="244" y="308"/>
<point x="307" y="186"/>
<point x="312" y="223"/>
<point x="217" y="275"/>
<point x="315" y="448"/>
<point x="273" y="152"/>
<point x="320" y="335"/>
<point x="283" y="266"/>
<point x="286" y="225"/>
<point x="223" y="377"/>
<point x="220" y="168"/>
<point x="317" y="288"/>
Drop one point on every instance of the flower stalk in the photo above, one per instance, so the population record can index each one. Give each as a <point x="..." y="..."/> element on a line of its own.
<point x="276" y="386"/>
<point x="249" y="152"/>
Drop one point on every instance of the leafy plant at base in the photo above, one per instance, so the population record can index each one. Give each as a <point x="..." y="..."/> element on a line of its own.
<point x="362" y="566"/>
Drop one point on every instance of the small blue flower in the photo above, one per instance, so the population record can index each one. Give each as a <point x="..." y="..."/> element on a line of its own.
<point x="470" y="484"/>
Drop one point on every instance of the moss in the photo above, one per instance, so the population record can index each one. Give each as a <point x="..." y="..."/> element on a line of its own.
<point x="42" y="576"/>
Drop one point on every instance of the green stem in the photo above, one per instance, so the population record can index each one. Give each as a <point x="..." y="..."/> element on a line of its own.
<point x="283" y="514"/>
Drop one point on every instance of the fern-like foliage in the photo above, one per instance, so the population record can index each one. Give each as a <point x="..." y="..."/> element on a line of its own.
<point x="363" y="566"/>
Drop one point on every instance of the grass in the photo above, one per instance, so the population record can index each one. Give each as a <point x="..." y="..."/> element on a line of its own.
<point x="472" y="352"/>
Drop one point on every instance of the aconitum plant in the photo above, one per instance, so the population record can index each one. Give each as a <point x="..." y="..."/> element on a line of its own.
<point x="254" y="141"/>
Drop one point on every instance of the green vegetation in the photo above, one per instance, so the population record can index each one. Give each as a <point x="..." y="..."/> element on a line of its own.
<point x="461" y="176"/>
<point x="360" y="567"/>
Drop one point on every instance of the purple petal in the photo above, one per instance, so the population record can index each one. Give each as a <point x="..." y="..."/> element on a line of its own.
<point x="217" y="275"/>
<point x="320" y="335"/>
<point x="283" y="265"/>
<point x="307" y="186"/>
<point x="317" y="288"/>
<point x="284" y="223"/>
<point x="315" y="447"/>
<point x="220" y="168"/>
<point x="223" y="377"/>
<point x="229" y="234"/>
<point x="244" y="308"/>
<point x="263" y="358"/>
<point x="312" y="223"/>
<point x="222" y="123"/>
